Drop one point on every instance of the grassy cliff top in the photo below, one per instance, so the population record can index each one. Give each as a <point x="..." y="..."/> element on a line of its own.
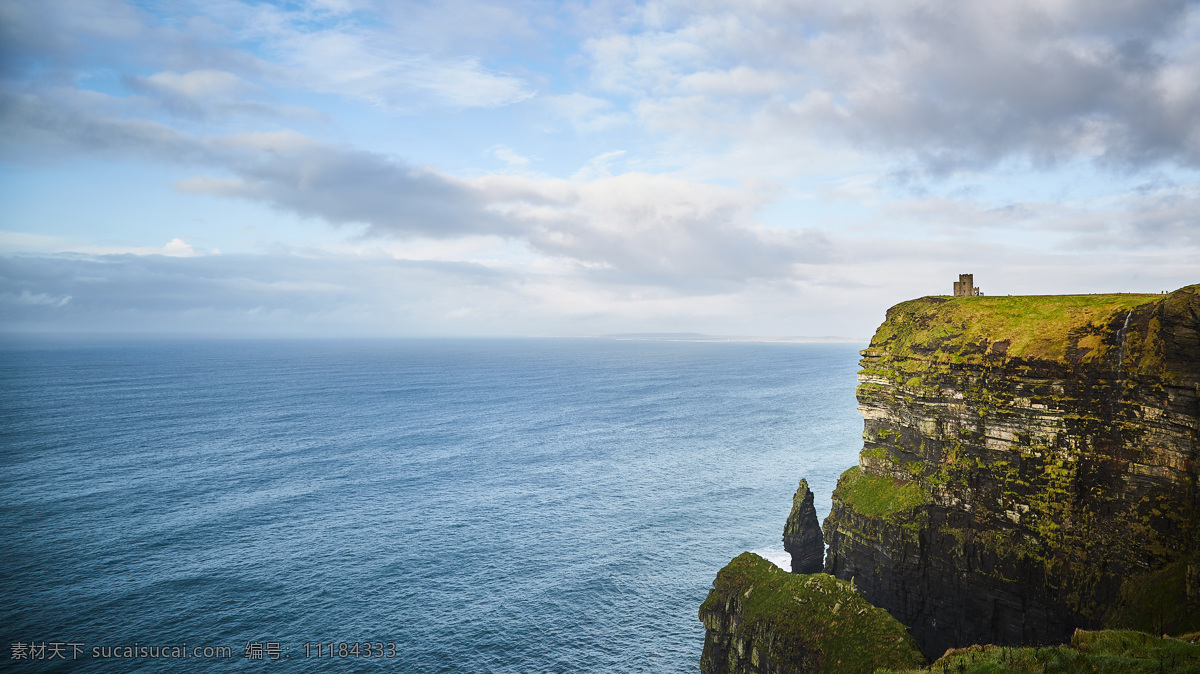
<point x="816" y="612"/>
<point x="1057" y="328"/>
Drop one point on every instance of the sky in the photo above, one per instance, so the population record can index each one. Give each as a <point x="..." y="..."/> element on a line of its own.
<point x="341" y="168"/>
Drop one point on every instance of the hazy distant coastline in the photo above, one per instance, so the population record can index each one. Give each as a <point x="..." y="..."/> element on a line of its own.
<point x="700" y="337"/>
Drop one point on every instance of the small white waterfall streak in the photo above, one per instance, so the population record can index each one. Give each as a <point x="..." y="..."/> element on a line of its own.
<point x="1121" y="341"/>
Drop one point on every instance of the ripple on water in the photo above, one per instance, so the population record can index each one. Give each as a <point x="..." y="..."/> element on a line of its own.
<point x="487" y="505"/>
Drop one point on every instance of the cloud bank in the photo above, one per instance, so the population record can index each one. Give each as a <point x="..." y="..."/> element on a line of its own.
<point x="743" y="167"/>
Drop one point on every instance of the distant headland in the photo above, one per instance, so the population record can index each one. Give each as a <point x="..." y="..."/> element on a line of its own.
<point x="699" y="337"/>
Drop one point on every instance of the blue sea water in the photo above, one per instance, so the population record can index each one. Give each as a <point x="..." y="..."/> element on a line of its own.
<point x="480" y="505"/>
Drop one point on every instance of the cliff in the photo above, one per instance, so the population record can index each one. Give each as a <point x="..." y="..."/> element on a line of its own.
<point x="760" y="619"/>
<point x="1028" y="468"/>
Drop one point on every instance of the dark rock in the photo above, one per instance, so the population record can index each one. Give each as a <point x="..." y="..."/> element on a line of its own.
<point x="802" y="536"/>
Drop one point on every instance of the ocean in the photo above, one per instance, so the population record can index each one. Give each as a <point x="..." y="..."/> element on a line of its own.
<point x="537" y="505"/>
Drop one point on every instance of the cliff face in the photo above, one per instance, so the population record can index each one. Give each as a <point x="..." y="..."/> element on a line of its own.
<point x="759" y="619"/>
<point x="802" y="538"/>
<point x="1028" y="467"/>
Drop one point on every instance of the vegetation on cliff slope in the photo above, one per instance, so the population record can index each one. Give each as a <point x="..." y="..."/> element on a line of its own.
<point x="1104" y="652"/>
<point x="775" y="615"/>
<point x="1153" y="602"/>
<point x="878" y="495"/>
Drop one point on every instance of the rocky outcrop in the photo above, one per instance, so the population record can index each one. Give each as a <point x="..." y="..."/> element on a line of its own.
<point x="1029" y="467"/>
<point x="759" y="619"/>
<point x="802" y="537"/>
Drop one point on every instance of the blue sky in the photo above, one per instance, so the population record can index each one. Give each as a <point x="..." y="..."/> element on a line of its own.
<point x="347" y="167"/>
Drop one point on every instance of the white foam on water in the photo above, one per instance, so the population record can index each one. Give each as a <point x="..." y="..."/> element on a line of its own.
<point x="776" y="555"/>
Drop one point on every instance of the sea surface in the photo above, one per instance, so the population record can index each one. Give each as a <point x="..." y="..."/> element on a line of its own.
<point x="541" y="505"/>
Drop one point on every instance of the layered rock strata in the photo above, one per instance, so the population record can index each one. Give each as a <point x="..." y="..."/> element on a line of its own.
<point x="1029" y="467"/>
<point x="802" y="537"/>
<point x="759" y="619"/>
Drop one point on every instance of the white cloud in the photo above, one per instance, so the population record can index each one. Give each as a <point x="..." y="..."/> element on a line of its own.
<point x="178" y="248"/>
<point x="587" y="114"/>
<point x="198" y="83"/>
<point x="368" y="294"/>
<point x="873" y="116"/>
<point x="508" y="155"/>
<point x="360" y="64"/>
<point x="598" y="166"/>
<point x="945" y="83"/>
<point x="736" y="81"/>
<point x="24" y="243"/>
<point x="39" y="299"/>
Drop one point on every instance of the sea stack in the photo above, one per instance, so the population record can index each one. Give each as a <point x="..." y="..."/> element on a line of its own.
<point x="802" y="536"/>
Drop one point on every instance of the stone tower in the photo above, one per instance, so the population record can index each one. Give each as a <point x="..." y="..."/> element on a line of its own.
<point x="965" y="286"/>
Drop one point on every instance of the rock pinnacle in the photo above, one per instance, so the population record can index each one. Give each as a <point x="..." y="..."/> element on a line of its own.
<point x="802" y="533"/>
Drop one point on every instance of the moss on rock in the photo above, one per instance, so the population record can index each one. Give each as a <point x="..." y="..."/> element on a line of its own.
<point x="759" y="618"/>
<point x="877" y="495"/>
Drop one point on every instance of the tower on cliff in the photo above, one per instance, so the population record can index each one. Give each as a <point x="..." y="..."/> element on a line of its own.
<point x="965" y="286"/>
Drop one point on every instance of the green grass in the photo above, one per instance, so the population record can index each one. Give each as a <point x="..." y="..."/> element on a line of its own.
<point x="787" y="613"/>
<point x="1103" y="652"/>
<point x="1042" y="327"/>
<point x="878" y="496"/>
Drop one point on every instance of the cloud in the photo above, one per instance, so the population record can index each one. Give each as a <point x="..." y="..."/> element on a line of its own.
<point x="211" y="95"/>
<point x="626" y="229"/>
<point x="736" y="81"/>
<point x="47" y="123"/>
<point x="220" y="57"/>
<point x="639" y="224"/>
<point x="588" y="114"/>
<point x="950" y="85"/>
<point x="195" y="84"/>
<point x="340" y="64"/>
<point x="653" y="228"/>
<point x="69" y="42"/>
<point x="1158" y="218"/>
<point x="24" y="243"/>
<point x="178" y="248"/>
<point x="345" y="186"/>
<point x="893" y="107"/>
<point x="355" y="59"/>
<point x="943" y="84"/>
<point x="235" y="294"/>
<point x="598" y="166"/>
<point x="508" y="155"/>
<point x="39" y="299"/>
<point x="60" y="33"/>
<point x="375" y="295"/>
